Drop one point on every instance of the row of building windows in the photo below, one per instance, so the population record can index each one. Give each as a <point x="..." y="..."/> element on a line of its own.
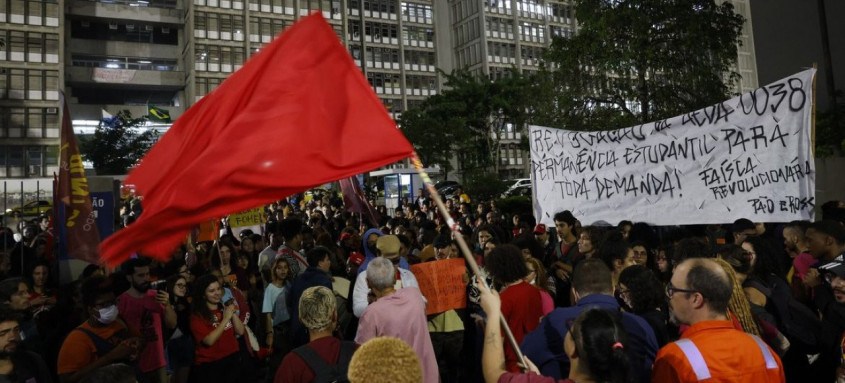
<point x="387" y="6"/>
<point x="464" y="8"/>
<point x="501" y="49"/>
<point x="27" y="161"/>
<point x="263" y="29"/>
<point x="204" y="85"/>
<point x="114" y="62"/>
<point x="214" y="58"/>
<point x="393" y="105"/>
<point x="467" y="31"/>
<point x="29" y="46"/>
<point x="417" y="13"/>
<point x="218" y="26"/>
<point x="393" y="81"/>
<point x="469" y="55"/>
<point x="29" y="122"/>
<point x="29" y="84"/>
<point x="419" y="57"/>
<point x="225" y="4"/>
<point x="123" y="31"/>
<point x="32" y="12"/>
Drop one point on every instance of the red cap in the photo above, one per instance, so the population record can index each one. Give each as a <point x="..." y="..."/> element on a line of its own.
<point x="345" y="236"/>
<point x="540" y="229"/>
<point x="356" y="258"/>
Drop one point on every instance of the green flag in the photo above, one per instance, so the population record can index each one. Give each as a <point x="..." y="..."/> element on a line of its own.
<point x="155" y="113"/>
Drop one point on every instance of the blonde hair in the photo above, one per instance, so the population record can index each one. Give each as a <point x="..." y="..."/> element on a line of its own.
<point x="385" y="360"/>
<point x="738" y="305"/>
<point x="316" y="308"/>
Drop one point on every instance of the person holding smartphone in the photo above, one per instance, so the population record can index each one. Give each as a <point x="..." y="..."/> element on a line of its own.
<point x="214" y="326"/>
<point x="144" y="308"/>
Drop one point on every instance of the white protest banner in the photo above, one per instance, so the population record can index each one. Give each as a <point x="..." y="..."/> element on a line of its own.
<point x="748" y="157"/>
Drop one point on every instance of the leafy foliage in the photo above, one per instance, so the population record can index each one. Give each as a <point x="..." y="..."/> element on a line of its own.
<point x="466" y="119"/>
<point x="483" y="185"/>
<point x="116" y="147"/>
<point x="830" y="139"/>
<point x="637" y="61"/>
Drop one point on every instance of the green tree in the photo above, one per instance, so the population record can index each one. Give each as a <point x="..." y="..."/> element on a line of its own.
<point x="435" y="129"/>
<point x="637" y="61"/>
<point x="469" y="116"/>
<point x="830" y="141"/>
<point x="117" y="145"/>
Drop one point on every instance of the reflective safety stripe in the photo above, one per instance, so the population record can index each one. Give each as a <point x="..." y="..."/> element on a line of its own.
<point x="771" y="363"/>
<point x="696" y="361"/>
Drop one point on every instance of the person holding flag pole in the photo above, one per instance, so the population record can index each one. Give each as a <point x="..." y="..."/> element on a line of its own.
<point x="418" y="166"/>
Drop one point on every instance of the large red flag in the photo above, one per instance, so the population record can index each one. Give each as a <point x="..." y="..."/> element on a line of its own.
<point x="297" y="115"/>
<point x="77" y="220"/>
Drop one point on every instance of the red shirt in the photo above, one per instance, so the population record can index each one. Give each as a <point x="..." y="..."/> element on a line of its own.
<point x="226" y="345"/>
<point x="294" y="369"/>
<point x="522" y="309"/>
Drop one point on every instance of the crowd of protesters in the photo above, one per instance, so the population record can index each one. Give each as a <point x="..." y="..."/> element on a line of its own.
<point x="321" y="294"/>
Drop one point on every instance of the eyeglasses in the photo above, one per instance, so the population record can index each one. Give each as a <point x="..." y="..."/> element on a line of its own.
<point x="671" y="290"/>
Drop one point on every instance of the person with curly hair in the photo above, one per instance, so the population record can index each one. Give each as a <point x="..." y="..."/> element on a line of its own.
<point x="522" y="305"/>
<point x="385" y="360"/>
<point x="640" y="292"/>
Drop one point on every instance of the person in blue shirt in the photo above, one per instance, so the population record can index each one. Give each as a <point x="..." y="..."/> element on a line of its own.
<point x="592" y="288"/>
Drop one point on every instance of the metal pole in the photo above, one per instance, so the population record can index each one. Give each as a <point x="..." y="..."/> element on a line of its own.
<point x="415" y="160"/>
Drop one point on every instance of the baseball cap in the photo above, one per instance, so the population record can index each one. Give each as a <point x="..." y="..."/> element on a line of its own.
<point x="388" y="244"/>
<point x="836" y="268"/>
<point x="345" y="236"/>
<point x="540" y="229"/>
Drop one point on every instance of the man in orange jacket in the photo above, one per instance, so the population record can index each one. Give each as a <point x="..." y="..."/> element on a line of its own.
<point x="710" y="350"/>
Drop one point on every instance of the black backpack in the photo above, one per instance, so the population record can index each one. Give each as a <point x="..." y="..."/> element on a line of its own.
<point x="324" y="372"/>
<point x="798" y="322"/>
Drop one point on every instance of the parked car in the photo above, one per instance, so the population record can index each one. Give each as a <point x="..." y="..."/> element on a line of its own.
<point x="520" y="182"/>
<point x="524" y="190"/>
<point x="32" y="209"/>
<point x="444" y="184"/>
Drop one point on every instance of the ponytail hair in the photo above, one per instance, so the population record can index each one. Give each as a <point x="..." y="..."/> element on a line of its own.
<point x="601" y="343"/>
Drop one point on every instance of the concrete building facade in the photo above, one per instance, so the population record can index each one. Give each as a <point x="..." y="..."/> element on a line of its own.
<point x="127" y="54"/>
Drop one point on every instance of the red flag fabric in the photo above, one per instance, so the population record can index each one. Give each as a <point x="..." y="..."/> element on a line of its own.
<point x="78" y="220"/>
<point x="355" y="201"/>
<point x="298" y="114"/>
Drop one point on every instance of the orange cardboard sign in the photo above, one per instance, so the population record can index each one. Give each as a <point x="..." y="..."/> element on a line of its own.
<point x="442" y="284"/>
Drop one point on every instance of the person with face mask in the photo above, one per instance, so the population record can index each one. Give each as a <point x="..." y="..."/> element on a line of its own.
<point x="101" y="340"/>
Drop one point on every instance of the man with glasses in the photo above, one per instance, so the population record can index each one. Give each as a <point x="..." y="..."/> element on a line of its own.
<point x="711" y="348"/>
<point x="101" y="340"/>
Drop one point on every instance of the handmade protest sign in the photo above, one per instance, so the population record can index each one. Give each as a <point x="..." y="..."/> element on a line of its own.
<point x="251" y="217"/>
<point x="748" y="157"/>
<point x="442" y="284"/>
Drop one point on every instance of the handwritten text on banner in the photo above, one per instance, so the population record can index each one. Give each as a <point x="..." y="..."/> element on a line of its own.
<point x="746" y="157"/>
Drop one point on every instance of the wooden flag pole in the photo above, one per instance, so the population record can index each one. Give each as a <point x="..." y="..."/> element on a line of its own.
<point x="415" y="160"/>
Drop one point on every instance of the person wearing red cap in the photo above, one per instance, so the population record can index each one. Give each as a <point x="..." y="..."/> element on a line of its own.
<point x="541" y="234"/>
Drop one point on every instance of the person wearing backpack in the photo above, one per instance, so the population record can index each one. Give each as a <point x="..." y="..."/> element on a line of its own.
<point x="325" y="358"/>
<point x="103" y="333"/>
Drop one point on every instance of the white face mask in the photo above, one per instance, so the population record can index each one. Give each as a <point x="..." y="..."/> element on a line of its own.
<point x="108" y="314"/>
